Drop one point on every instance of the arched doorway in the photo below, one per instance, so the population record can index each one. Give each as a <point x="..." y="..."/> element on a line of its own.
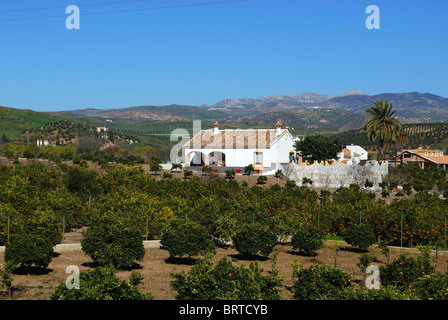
<point x="196" y="159"/>
<point x="217" y="158"/>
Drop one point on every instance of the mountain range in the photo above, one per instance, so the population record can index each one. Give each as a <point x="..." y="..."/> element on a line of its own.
<point x="408" y="105"/>
<point x="300" y="111"/>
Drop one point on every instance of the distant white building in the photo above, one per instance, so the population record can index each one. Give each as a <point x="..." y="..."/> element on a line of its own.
<point x="352" y="155"/>
<point x="101" y="129"/>
<point x="41" y="143"/>
<point x="266" y="149"/>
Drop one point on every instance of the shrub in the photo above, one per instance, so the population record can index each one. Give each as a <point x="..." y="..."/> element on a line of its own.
<point x="309" y="239"/>
<point x="307" y="181"/>
<point x="403" y="271"/>
<point x="368" y="184"/>
<point x="360" y="235"/>
<point x="318" y="281"/>
<point x="224" y="281"/>
<point x="290" y="184"/>
<point x="384" y="293"/>
<point x="102" y="284"/>
<point x="364" y="261"/>
<point x="188" y="174"/>
<point x="176" y="166"/>
<point x="33" y="243"/>
<point x="226" y="228"/>
<point x="185" y="237"/>
<point x="278" y="174"/>
<point x="27" y="249"/>
<point x="253" y="239"/>
<point x="207" y="170"/>
<point x="230" y="174"/>
<point x="114" y="243"/>
<point x="167" y="175"/>
<point x="433" y="286"/>
<point x="155" y="164"/>
<point x="262" y="179"/>
<point x="249" y="169"/>
<point x="6" y="276"/>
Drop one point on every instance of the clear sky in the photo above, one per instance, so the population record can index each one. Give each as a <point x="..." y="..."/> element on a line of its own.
<point x="205" y="53"/>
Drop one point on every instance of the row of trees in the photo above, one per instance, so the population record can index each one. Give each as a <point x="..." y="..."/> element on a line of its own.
<point x="36" y="199"/>
<point x="124" y="205"/>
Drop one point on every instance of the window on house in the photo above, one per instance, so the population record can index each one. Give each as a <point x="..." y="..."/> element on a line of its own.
<point x="258" y="157"/>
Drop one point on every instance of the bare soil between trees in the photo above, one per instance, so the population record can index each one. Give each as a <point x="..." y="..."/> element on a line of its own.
<point x="157" y="266"/>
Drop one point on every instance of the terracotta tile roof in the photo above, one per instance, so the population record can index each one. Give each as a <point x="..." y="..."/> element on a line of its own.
<point x="435" y="159"/>
<point x="234" y="139"/>
<point x="438" y="159"/>
<point x="424" y="150"/>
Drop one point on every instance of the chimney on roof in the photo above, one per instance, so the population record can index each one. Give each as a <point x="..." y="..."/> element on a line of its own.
<point x="216" y="127"/>
<point x="278" y="127"/>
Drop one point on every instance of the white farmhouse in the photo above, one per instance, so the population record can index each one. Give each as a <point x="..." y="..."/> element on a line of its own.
<point x="266" y="149"/>
<point x="352" y="155"/>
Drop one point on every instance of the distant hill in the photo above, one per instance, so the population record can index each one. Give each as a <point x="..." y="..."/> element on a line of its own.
<point x="154" y="113"/>
<point x="257" y="106"/>
<point x="412" y="107"/>
<point x="14" y="122"/>
<point x="335" y="119"/>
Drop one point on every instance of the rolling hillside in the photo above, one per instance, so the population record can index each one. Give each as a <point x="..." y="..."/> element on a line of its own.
<point x="14" y="122"/>
<point x="151" y="113"/>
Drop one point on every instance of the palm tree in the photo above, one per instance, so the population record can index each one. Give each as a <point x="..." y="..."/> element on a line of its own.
<point x="382" y="125"/>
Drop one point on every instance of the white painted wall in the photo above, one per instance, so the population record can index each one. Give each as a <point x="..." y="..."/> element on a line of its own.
<point x="277" y="154"/>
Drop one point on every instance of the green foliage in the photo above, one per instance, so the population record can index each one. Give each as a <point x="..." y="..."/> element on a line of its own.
<point x="226" y="228"/>
<point x="318" y="147"/>
<point x="430" y="286"/>
<point x="207" y="170"/>
<point x="6" y="275"/>
<point x="176" y="166"/>
<point x="81" y="180"/>
<point x="365" y="260"/>
<point x="403" y="271"/>
<point x="279" y="174"/>
<point x="249" y="169"/>
<point x="110" y="242"/>
<point x="309" y="239"/>
<point x="188" y="174"/>
<point x="360" y="235"/>
<point x="262" y="179"/>
<point x="381" y="126"/>
<point x="253" y="239"/>
<point x="318" y="281"/>
<point x="306" y="181"/>
<point x="27" y="250"/>
<point x="102" y="284"/>
<point x="230" y="173"/>
<point x="384" y="293"/>
<point x="224" y="281"/>
<point x="33" y="240"/>
<point x="185" y="237"/>
<point x="167" y="175"/>
<point x="155" y="164"/>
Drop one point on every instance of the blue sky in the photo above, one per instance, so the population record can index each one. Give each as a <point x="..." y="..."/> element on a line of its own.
<point x="203" y="54"/>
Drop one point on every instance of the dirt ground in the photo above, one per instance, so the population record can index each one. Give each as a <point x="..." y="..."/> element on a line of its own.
<point x="156" y="268"/>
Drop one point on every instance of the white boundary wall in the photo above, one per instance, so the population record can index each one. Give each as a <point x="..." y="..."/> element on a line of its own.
<point x="339" y="175"/>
